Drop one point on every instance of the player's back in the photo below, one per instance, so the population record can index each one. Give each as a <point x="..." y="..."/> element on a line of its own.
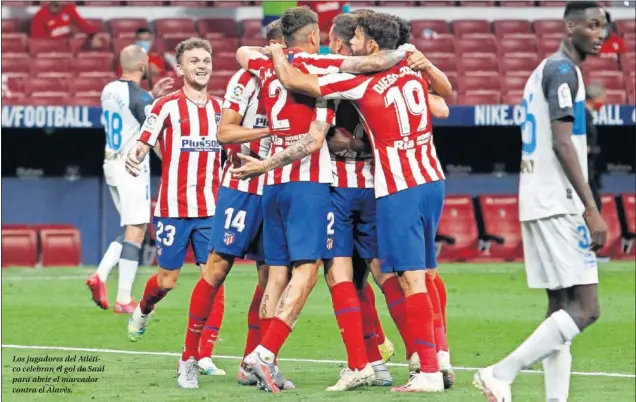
<point x="124" y="109"/>
<point x="554" y="90"/>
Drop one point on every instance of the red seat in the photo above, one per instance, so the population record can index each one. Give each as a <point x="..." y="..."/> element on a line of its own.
<point x="120" y="26"/>
<point x="14" y="42"/>
<point x="600" y="63"/>
<point x="482" y="82"/>
<point x="196" y="3"/>
<point x="246" y="41"/>
<point x="419" y="26"/>
<point x="525" y="43"/>
<point x="12" y="84"/>
<point x="15" y="62"/>
<point x="502" y="27"/>
<point x="631" y="97"/>
<point x="173" y="26"/>
<point x="628" y="203"/>
<point x="457" y="234"/>
<point x="609" y="212"/>
<point x="512" y="97"/>
<point x="218" y="82"/>
<point x="480" y="98"/>
<point x="100" y="3"/>
<point x="60" y="247"/>
<point x="444" y="61"/>
<point x="477" y="3"/>
<point x="91" y="99"/>
<point x="514" y="82"/>
<point x="476" y="45"/>
<point x="252" y="27"/>
<point x="469" y="65"/>
<point x="442" y="44"/>
<point x="92" y="64"/>
<point x="12" y="25"/>
<point x="519" y="64"/>
<point x="624" y="26"/>
<point x="80" y="43"/>
<point x="19" y="247"/>
<point x="46" y="99"/>
<point x="434" y="3"/>
<point x="500" y="216"/>
<point x="87" y="84"/>
<point x="225" y="61"/>
<point x="630" y="80"/>
<point x="38" y="84"/>
<point x="552" y="3"/>
<point x="41" y="65"/>
<point x="615" y="97"/>
<point x="230" y="4"/>
<point x="464" y="27"/>
<point x="515" y="3"/>
<point x="548" y="44"/>
<point x="98" y="24"/>
<point x="609" y="79"/>
<point x="171" y="40"/>
<point x="222" y="26"/>
<point x="542" y="27"/>
<point x="225" y="44"/>
<point x="49" y="46"/>
<point x="145" y="3"/>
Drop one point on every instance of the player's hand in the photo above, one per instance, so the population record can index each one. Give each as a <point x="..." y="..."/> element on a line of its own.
<point x="418" y="62"/>
<point x="598" y="228"/>
<point x="274" y="50"/>
<point x="252" y="167"/>
<point x="340" y="140"/>
<point x="135" y="157"/>
<point x="162" y="87"/>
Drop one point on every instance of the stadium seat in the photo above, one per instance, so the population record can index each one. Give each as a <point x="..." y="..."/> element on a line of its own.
<point x="81" y="43"/>
<point x="475" y="45"/>
<point x="477" y="3"/>
<point x="446" y="62"/>
<point x="100" y="3"/>
<point x="41" y="65"/>
<point x="614" y="246"/>
<point x="171" y="40"/>
<point x="542" y="27"/>
<point x="630" y="81"/>
<point x="38" y="84"/>
<point x="464" y="27"/>
<point x="98" y="23"/>
<point x="251" y="27"/>
<point x="615" y="97"/>
<point x="13" y="98"/>
<point x="628" y="62"/>
<point x="501" y="229"/>
<point x="14" y="62"/>
<point x="48" y="46"/>
<point x="173" y="26"/>
<point x="548" y="44"/>
<point x="624" y="26"/>
<point x="520" y="64"/>
<point x="229" y="4"/>
<point x="47" y="99"/>
<point x="471" y="65"/>
<point x="483" y="82"/>
<point x="512" y="97"/>
<point x="19" y="247"/>
<point x="419" y="26"/>
<point x="443" y="44"/>
<point x="222" y="26"/>
<point x="196" y="3"/>
<point x="14" y="42"/>
<point x="631" y="97"/>
<point x="520" y="43"/>
<point x="225" y="44"/>
<point x="513" y="82"/>
<point x="503" y="27"/>
<point x="87" y="84"/>
<point x="249" y="41"/>
<point x="12" y="84"/>
<point x="479" y="98"/>
<point x="12" y="25"/>
<point x="609" y="79"/>
<point x="628" y="215"/>
<point x="120" y="26"/>
<point x="551" y="3"/>
<point x="600" y="64"/>
<point x="60" y="247"/>
<point x="90" y="99"/>
<point x="225" y="61"/>
<point x="145" y="3"/>
<point x="457" y="234"/>
<point x="515" y="3"/>
<point x="435" y="3"/>
<point x="92" y="64"/>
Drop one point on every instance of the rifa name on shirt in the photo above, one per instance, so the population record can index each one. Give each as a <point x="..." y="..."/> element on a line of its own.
<point x="199" y="144"/>
<point x="388" y="80"/>
<point x="422" y="139"/>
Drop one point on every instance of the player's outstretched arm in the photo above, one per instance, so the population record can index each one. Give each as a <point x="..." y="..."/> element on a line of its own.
<point x="231" y="131"/>
<point x="380" y="61"/>
<point x="307" y="145"/>
<point x="245" y="53"/>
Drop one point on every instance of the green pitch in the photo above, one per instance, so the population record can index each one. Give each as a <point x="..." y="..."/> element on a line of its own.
<point x="490" y="311"/>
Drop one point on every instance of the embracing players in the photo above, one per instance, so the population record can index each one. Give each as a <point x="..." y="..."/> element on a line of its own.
<point x="560" y="222"/>
<point x="124" y="109"/>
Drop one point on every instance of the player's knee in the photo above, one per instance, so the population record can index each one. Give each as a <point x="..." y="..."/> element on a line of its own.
<point x="262" y="271"/>
<point x="217" y="268"/>
<point x="167" y="279"/>
<point x="135" y="233"/>
<point x="306" y="273"/>
<point x="278" y="278"/>
<point x="432" y="273"/>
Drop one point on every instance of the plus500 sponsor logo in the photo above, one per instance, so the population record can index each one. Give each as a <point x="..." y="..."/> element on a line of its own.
<point x="199" y="144"/>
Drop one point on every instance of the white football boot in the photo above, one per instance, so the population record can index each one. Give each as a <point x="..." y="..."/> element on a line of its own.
<point x="423" y="382"/>
<point x="207" y="367"/>
<point x="350" y="379"/>
<point x="137" y="324"/>
<point x="188" y="374"/>
<point x="494" y="390"/>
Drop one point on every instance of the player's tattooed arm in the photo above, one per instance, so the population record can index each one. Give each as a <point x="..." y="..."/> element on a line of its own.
<point x="380" y="61"/>
<point x="231" y="132"/>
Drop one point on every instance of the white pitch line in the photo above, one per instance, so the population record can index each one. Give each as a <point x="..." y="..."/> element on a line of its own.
<point x="136" y="352"/>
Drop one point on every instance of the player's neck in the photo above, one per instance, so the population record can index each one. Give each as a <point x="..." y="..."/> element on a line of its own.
<point x="196" y="95"/>
<point x="131" y="77"/>
<point x="568" y="48"/>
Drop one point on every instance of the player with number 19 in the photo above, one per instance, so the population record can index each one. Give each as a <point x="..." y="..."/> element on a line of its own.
<point x="124" y="109"/>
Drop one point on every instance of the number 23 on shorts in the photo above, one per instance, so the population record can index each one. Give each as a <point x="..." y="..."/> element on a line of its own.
<point x="165" y="234"/>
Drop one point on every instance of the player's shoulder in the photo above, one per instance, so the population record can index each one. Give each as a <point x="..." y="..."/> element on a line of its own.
<point x="559" y="63"/>
<point x="160" y="102"/>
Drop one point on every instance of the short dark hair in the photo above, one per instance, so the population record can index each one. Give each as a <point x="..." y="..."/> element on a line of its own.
<point x="362" y="11"/>
<point x="192" y="43"/>
<point x="382" y="28"/>
<point x="273" y="30"/>
<point x="293" y="20"/>
<point x="143" y="30"/>
<point x="573" y="8"/>
<point x="344" y="25"/>
<point x="405" y="31"/>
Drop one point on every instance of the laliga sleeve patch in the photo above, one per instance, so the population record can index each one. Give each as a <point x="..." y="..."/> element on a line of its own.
<point x="151" y="123"/>
<point x="564" y="96"/>
<point x="236" y="96"/>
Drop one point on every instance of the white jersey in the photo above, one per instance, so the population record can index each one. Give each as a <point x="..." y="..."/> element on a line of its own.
<point x="124" y="109"/>
<point x="555" y="90"/>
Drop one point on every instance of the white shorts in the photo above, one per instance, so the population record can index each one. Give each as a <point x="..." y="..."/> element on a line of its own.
<point x="131" y="195"/>
<point x="557" y="252"/>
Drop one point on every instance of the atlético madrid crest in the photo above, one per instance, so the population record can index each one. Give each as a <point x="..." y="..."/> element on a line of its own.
<point x="329" y="243"/>
<point x="228" y="238"/>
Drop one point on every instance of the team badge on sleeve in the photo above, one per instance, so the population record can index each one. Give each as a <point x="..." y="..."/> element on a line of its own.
<point x="564" y="96"/>
<point x="151" y="122"/>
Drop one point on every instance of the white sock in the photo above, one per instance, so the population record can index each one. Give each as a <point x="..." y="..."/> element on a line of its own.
<point x="556" y="330"/>
<point x="109" y="260"/>
<point x="128" y="264"/>
<point x="557" y="368"/>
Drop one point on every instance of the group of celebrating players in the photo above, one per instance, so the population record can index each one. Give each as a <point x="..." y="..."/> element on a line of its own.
<point x="330" y="160"/>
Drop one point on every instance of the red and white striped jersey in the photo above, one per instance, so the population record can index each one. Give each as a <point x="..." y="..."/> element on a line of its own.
<point x="191" y="154"/>
<point x="351" y="169"/>
<point x="393" y="105"/>
<point x="289" y="116"/>
<point x="242" y="96"/>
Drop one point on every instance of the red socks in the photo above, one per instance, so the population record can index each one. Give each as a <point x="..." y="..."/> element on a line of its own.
<point x="370" y="295"/>
<point x="200" y="305"/>
<point x="420" y="321"/>
<point x="395" y="302"/>
<point x="438" y="321"/>
<point x="441" y="291"/>
<point x="212" y="326"/>
<point x="253" y="324"/>
<point x="346" y="306"/>
<point x="153" y="293"/>
<point x="369" y="325"/>
<point x="276" y="335"/>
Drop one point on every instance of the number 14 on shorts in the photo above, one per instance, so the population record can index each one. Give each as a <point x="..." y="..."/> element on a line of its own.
<point x="235" y="220"/>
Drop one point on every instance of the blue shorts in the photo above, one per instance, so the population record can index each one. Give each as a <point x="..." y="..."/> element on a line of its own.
<point x="298" y="222"/>
<point x="407" y="224"/>
<point x="239" y="229"/>
<point x="173" y="235"/>
<point x="355" y="222"/>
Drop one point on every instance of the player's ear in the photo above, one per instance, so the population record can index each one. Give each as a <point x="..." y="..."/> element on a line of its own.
<point x="569" y="26"/>
<point x="179" y="70"/>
